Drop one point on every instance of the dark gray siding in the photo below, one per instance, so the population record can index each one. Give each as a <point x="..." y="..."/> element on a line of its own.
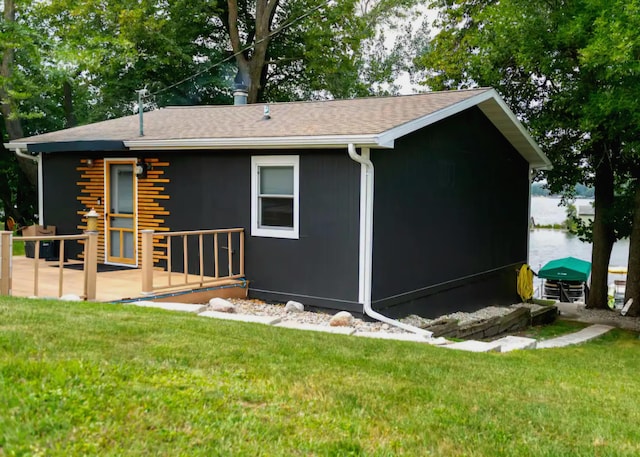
<point x="60" y="203"/>
<point x="451" y="202"/>
<point x="212" y="189"/>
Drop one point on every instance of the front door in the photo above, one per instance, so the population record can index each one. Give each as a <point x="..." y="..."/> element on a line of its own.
<point x="120" y="231"/>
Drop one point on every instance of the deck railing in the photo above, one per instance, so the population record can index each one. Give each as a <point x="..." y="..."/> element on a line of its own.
<point x="89" y="268"/>
<point x="209" y="257"/>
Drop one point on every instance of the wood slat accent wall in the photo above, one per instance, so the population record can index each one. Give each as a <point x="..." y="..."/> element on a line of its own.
<point x="151" y="197"/>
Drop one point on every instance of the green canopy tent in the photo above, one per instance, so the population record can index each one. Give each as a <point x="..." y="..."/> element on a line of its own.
<point x="566" y="269"/>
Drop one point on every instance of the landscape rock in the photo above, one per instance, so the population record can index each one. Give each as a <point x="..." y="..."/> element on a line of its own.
<point x="294" y="307"/>
<point x="221" y="305"/>
<point x="70" y="297"/>
<point x="341" y="319"/>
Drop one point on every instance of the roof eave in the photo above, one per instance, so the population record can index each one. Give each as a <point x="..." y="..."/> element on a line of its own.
<point x="496" y="111"/>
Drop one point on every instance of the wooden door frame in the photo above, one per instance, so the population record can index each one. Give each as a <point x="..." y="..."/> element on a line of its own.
<point x="107" y="200"/>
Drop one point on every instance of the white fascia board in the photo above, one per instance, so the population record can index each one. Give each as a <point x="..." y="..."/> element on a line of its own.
<point x="291" y="142"/>
<point x="13" y="146"/>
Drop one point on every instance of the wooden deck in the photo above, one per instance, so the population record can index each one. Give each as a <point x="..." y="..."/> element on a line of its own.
<point x="111" y="285"/>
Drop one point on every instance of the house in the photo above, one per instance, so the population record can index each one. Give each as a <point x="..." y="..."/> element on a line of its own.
<point x="586" y="213"/>
<point x="408" y="204"/>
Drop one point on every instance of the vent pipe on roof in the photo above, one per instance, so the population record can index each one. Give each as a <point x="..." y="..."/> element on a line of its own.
<point x="141" y="94"/>
<point x="240" y="94"/>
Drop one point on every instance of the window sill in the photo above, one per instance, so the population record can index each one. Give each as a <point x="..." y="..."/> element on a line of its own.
<point x="290" y="234"/>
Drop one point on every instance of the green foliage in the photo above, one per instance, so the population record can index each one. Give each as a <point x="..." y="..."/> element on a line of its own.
<point x="97" y="379"/>
<point x="569" y="70"/>
<point x="551" y="63"/>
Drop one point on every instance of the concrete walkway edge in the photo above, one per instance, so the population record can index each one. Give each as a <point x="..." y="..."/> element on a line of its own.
<point x="584" y="335"/>
<point x="505" y="344"/>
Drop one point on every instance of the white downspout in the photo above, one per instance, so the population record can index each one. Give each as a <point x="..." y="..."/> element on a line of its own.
<point x="366" y="254"/>
<point x="38" y="159"/>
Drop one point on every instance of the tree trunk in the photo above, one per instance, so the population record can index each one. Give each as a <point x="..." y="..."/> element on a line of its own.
<point x="68" y="104"/>
<point x="251" y="68"/>
<point x="633" y="273"/>
<point x="603" y="234"/>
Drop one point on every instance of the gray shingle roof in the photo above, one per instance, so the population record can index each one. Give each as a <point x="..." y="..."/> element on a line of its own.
<point x="367" y="122"/>
<point x="319" y="118"/>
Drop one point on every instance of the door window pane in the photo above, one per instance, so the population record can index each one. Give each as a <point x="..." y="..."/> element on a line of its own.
<point x="122" y="189"/>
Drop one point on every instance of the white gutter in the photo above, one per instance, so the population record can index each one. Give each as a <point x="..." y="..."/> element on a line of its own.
<point x="319" y="141"/>
<point x="366" y="243"/>
<point x="37" y="159"/>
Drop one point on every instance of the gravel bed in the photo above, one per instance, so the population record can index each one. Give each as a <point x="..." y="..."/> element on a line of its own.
<point x="260" y="308"/>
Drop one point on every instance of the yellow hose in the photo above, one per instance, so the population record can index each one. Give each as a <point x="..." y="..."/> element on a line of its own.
<point x="525" y="283"/>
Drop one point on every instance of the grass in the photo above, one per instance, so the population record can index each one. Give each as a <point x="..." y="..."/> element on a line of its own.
<point x="559" y="327"/>
<point x="18" y="248"/>
<point x="96" y="379"/>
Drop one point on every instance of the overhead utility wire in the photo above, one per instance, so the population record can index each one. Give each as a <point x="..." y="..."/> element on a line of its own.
<point x="232" y="56"/>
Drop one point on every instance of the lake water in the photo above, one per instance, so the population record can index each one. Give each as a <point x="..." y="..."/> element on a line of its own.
<point x="545" y="245"/>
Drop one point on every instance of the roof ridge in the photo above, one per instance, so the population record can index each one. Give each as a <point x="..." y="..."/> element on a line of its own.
<point x="339" y="100"/>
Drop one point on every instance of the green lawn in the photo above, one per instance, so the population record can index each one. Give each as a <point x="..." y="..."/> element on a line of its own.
<point x="111" y="380"/>
<point x="18" y="248"/>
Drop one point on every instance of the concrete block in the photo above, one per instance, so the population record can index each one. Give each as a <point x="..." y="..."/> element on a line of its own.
<point x="317" y="328"/>
<point x="267" y="320"/>
<point x="394" y="336"/>
<point x="475" y="346"/>
<point x="512" y="343"/>
<point x="168" y="306"/>
<point x="582" y="336"/>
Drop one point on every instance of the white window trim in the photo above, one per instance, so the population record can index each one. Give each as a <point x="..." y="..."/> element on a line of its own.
<point x="272" y="232"/>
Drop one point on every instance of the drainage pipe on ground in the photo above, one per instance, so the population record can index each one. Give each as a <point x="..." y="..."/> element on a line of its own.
<point x="366" y="212"/>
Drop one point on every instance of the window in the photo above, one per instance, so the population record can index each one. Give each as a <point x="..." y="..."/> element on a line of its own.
<point x="274" y="196"/>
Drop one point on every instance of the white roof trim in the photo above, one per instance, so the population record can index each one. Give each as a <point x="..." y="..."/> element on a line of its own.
<point x="333" y="141"/>
<point x="14" y="146"/>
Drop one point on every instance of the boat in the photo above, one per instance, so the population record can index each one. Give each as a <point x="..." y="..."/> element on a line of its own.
<point x="617" y="287"/>
<point x="566" y="280"/>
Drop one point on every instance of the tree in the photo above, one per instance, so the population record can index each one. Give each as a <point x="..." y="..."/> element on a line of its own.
<point x="615" y="57"/>
<point x="19" y="175"/>
<point x="536" y="54"/>
<point x="297" y="49"/>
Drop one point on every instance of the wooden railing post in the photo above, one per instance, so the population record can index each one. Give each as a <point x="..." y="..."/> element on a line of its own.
<point x="6" y="250"/>
<point x="241" y="233"/>
<point x="91" y="266"/>
<point x="147" y="261"/>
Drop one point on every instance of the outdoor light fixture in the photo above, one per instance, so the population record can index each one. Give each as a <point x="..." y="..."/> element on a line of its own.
<point x="90" y="163"/>
<point x="141" y="169"/>
<point x="92" y="220"/>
